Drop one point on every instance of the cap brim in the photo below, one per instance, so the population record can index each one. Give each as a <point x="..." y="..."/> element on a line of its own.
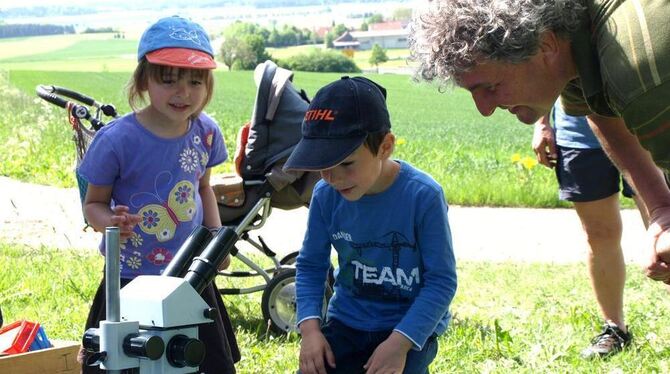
<point x="313" y="154"/>
<point x="182" y="58"/>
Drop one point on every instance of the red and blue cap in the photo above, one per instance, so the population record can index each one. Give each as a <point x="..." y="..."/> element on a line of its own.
<point x="176" y="41"/>
<point x="337" y="122"/>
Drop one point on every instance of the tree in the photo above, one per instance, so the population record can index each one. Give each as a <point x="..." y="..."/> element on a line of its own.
<point x="320" y="61"/>
<point x="231" y="50"/>
<point x="364" y="26"/>
<point x="338" y="30"/>
<point x="378" y="56"/>
<point x="244" y="45"/>
<point x="402" y="14"/>
<point x="375" y="18"/>
<point x="328" y="40"/>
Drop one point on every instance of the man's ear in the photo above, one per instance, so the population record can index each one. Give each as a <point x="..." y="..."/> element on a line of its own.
<point x="549" y="46"/>
<point x="387" y="146"/>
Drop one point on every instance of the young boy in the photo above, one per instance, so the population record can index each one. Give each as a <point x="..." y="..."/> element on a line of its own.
<point x="388" y="223"/>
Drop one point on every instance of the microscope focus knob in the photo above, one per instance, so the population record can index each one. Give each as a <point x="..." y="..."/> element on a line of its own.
<point x="184" y="351"/>
<point x="91" y="339"/>
<point x="211" y="313"/>
<point x="149" y="346"/>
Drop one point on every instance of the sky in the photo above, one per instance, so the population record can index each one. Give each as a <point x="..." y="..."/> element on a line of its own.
<point x="4" y="4"/>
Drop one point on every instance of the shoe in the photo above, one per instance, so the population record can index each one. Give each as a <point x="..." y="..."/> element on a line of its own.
<point x="612" y="340"/>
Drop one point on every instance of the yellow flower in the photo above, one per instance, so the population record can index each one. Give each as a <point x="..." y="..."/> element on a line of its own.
<point x="400" y="141"/>
<point x="528" y="163"/>
<point x="516" y="158"/>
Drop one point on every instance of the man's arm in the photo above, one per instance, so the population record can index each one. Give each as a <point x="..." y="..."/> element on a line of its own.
<point x="636" y="164"/>
<point x="633" y="161"/>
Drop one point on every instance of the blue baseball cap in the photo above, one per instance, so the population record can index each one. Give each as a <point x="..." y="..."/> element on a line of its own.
<point x="337" y="122"/>
<point x="176" y="41"/>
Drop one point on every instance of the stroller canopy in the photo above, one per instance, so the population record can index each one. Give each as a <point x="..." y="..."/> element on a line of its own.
<point x="272" y="134"/>
<point x="275" y="121"/>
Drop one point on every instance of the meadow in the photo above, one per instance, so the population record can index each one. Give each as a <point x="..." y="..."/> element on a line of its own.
<point x="508" y="317"/>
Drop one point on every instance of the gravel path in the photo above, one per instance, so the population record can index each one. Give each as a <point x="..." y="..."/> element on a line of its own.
<point x="38" y="215"/>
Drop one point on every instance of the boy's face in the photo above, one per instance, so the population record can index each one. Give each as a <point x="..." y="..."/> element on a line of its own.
<point x="360" y="173"/>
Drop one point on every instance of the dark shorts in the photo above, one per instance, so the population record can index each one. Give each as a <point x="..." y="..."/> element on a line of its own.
<point x="352" y="349"/>
<point x="219" y="338"/>
<point x="587" y="175"/>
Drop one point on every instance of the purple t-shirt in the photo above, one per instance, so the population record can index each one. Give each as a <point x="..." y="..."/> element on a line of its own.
<point x="156" y="178"/>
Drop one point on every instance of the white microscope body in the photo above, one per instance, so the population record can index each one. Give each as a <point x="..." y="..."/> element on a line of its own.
<point x="152" y="323"/>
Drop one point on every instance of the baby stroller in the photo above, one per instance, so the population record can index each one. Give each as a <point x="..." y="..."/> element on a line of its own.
<point x="247" y="198"/>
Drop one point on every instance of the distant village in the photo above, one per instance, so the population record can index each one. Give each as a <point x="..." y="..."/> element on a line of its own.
<point x="388" y="35"/>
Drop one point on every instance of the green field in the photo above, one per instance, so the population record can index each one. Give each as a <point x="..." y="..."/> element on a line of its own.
<point x="508" y="318"/>
<point x="442" y="133"/>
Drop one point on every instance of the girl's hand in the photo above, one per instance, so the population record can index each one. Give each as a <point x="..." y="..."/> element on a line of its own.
<point x="389" y="357"/>
<point x="124" y="221"/>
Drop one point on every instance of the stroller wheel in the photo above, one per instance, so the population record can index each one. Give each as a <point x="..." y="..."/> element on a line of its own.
<point x="291" y="258"/>
<point x="279" y="304"/>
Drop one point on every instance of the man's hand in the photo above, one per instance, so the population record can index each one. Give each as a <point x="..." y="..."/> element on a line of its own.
<point x="313" y="348"/>
<point x="389" y="357"/>
<point x="658" y="267"/>
<point x="544" y="143"/>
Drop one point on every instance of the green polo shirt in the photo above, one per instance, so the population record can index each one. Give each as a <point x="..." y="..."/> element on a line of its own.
<point x="623" y="61"/>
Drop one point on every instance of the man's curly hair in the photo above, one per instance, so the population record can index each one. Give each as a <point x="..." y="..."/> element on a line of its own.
<point x="451" y="36"/>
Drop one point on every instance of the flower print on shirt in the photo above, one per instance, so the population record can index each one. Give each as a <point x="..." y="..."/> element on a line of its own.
<point x="196" y="140"/>
<point x="160" y="256"/>
<point x="209" y="139"/>
<point x="134" y="261"/>
<point x="183" y="193"/>
<point x="136" y="239"/>
<point x="189" y="160"/>
<point x="204" y="158"/>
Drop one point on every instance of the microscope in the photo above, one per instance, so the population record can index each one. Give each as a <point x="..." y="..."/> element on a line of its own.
<point x="152" y="323"/>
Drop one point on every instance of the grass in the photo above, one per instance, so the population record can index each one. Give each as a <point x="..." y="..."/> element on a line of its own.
<point x="508" y="317"/>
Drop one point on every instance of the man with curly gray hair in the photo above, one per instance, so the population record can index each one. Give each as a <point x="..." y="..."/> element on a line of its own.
<point x="609" y="60"/>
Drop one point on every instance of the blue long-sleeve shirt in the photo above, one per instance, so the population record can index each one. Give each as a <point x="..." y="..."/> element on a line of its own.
<point x="396" y="263"/>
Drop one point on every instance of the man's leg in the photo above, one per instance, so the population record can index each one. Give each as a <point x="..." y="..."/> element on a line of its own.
<point x="601" y="221"/>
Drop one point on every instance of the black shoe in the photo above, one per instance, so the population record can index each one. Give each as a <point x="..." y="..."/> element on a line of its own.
<point x="612" y="340"/>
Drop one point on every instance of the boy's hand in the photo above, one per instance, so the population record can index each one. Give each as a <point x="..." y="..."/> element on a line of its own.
<point x="124" y="221"/>
<point x="313" y="348"/>
<point x="389" y="357"/>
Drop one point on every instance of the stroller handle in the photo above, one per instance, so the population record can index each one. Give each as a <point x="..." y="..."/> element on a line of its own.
<point x="49" y="93"/>
<point x="52" y="94"/>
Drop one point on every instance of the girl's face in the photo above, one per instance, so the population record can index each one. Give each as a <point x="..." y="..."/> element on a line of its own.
<point x="176" y="95"/>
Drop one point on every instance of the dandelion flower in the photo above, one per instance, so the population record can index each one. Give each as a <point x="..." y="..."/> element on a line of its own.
<point x="528" y="163"/>
<point x="516" y="158"/>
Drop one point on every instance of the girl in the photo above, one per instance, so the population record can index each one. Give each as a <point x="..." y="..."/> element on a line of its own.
<point x="148" y="171"/>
